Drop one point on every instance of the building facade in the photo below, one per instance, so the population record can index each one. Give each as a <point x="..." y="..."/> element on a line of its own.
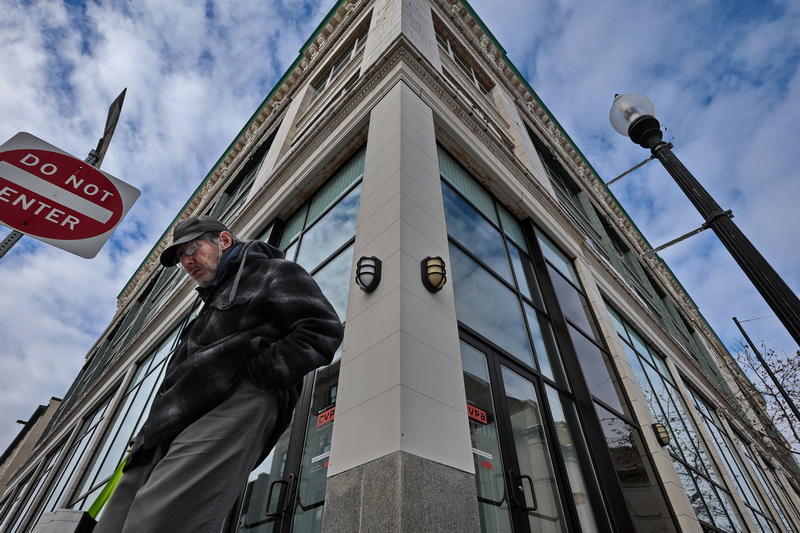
<point x="557" y="381"/>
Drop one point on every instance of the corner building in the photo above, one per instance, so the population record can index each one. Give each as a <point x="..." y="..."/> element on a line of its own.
<point x="556" y="383"/>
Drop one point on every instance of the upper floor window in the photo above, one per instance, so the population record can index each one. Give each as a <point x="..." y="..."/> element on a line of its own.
<point x="452" y="51"/>
<point x="347" y="54"/>
<point x="233" y="197"/>
<point x="320" y="235"/>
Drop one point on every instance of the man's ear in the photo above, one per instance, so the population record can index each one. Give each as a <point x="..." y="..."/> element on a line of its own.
<point x="225" y="240"/>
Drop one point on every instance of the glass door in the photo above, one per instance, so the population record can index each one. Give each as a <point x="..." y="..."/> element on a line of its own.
<point x="527" y="477"/>
<point x="286" y="492"/>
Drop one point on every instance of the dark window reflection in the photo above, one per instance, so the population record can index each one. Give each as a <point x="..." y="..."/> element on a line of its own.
<point x="526" y="279"/>
<point x="488" y="307"/>
<point x="595" y="366"/>
<point x="573" y="304"/>
<point x="331" y="232"/>
<point x="474" y="232"/>
<point x="642" y="495"/>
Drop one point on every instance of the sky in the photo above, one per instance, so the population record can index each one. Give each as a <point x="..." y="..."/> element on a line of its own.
<point x="723" y="75"/>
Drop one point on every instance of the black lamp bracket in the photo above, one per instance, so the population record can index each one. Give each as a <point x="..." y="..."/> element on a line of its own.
<point x="707" y="224"/>
<point x="715" y="215"/>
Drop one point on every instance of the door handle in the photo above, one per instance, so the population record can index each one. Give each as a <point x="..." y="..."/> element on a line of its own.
<point x="513" y="488"/>
<point x="269" y="497"/>
<point x="290" y="486"/>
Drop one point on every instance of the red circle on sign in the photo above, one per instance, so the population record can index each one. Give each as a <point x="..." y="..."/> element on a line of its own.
<point x="70" y="200"/>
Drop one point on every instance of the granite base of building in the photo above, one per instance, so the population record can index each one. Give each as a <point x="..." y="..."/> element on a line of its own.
<point x="64" y="521"/>
<point x="401" y="493"/>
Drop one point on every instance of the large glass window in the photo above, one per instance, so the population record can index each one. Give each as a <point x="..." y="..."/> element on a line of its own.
<point x="128" y="419"/>
<point x="745" y="484"/>
<point x="321" y="233"/>
<point x="288" y="487"/>
<point x="711" y="500"/>
<point x="16" y="501"/>
<point x="643" y="497"/>
<point x="539" y="450"/>
<point x="541" y="433"/>
<point x="36" y="487"/>
<point x="84" y="438"/>
<point x="587" y="340"/>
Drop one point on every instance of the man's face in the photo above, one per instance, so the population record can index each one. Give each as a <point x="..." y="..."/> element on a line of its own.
<point x="202" y="264"/>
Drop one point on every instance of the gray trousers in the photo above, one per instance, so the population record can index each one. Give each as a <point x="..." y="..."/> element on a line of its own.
<point x="192" y="485"/>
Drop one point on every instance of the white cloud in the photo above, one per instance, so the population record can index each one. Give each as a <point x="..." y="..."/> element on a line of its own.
<point x="194" y="72"/>
<point x="725" y="84"/>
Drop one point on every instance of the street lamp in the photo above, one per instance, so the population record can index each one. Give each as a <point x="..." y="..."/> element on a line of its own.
<point x="633" y="115"/>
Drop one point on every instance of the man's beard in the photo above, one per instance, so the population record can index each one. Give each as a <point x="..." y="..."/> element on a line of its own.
<point x="207" y="278"/>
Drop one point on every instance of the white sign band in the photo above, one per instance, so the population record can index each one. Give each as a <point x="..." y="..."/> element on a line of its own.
<point x="56" y="194"/>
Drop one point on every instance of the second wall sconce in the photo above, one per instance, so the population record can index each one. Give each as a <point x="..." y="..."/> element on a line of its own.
<point x="368" y="273"/>
<point x="661" y="434"/>
<point x="434" y="274"/>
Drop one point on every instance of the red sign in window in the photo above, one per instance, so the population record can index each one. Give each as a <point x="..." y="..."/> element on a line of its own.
<point x="326" y="416"/>
<point x="477" y="414"/>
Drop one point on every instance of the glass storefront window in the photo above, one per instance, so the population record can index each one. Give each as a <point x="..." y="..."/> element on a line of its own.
<point x="596" y="370"/>
<point x="526" y="280"/>
<point x="710" y="499"/>
<point x="475" y="233"/>
<point x="330" y="233"/>
<point x="488" y="307"/>
<point x="532" y="447"/>
<point x="545" y="348"/>
<point x="575" y="454"/>
<point x="15" y="502"/>
<point x="643" y="497"/>
<point x="289" y="485"/>
<point x="574" y="304"/>
<point x="127" y="420"/>
<point x="492" y="501"/>
<point x="316" y="451"/>
<point x="84" y="438"/>
<point x="41" y="477"/>
<point x="557" y="258"/>
<point x="332" y="279"/>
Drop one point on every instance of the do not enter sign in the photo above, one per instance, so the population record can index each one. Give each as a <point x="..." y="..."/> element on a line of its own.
<point x="57" y="198"/>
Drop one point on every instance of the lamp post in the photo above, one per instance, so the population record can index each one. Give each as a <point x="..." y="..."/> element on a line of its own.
<point x="633" y="115"/>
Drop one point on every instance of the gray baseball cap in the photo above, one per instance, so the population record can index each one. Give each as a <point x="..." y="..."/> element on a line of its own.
<point x="187" y="231"/>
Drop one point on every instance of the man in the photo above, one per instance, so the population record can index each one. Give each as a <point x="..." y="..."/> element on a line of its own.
<point x="230" y="386"/>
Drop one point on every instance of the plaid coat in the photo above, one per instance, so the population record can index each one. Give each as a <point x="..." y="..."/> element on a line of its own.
<point x="265" y="317"/>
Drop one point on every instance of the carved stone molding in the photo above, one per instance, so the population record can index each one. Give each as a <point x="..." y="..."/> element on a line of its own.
<point x="353" y="6"/>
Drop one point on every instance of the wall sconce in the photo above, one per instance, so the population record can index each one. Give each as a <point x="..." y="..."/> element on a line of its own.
<point x="368" y="273"/>
<point x="434" y="274"/>
<point x="661" y="434"/>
